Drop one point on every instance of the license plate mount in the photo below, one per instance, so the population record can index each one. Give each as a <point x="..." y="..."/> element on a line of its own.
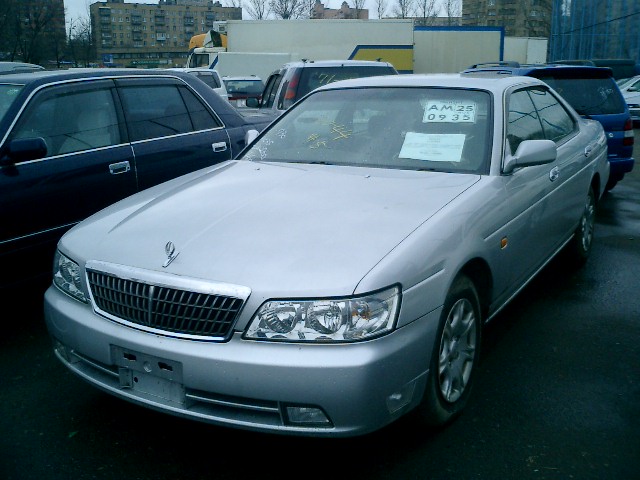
<point x="152" y="377"/>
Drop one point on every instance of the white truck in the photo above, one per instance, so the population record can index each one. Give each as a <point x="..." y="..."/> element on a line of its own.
<point x="238" y="64"/>
<point x="210" y="50"/>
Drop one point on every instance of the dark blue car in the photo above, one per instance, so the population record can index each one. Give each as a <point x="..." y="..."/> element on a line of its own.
<point x="593" y="93"/>
<point x="73" y="142"/>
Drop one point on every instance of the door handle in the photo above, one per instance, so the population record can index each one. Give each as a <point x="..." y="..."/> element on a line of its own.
<point x="120" y="167"/>
<point x="554" y="174"/>
<point x="219" y="147"/>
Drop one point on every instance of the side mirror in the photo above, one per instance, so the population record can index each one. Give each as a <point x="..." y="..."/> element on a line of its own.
<point x="24" y="149"/>
<point x="530" y="153"/>
<point x="250" y="136"/>
<point x="253" y="102"/>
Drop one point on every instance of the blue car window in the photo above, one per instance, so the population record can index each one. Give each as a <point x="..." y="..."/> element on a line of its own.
<point x="154" y="111"/>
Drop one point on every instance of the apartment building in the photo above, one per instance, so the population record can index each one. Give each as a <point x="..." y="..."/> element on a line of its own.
<point x="520" y="18"/>
<point x="152" y="35"/>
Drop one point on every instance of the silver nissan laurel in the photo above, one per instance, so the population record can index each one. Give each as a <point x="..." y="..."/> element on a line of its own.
<point x="337" y="275"/>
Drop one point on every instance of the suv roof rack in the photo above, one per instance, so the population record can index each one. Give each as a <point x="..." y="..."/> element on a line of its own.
<point x="496" y="64"/>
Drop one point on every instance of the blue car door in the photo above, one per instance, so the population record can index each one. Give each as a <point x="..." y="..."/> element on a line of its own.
<point x="173" y="132"/>
<point x="88" y="165"/>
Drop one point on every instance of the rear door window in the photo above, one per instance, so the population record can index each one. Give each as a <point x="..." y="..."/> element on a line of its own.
<point x="172" y="131"/>
<point x="159" y="109"/>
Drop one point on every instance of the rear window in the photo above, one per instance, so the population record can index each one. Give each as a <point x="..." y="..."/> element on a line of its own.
<point x="244" y="87"/>
<point x="312" y="78"/>
<point x="208" y="78"/>
<point x="589" y="96"/>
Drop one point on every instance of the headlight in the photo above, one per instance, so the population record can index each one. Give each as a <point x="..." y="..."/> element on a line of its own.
<point x="326" y="320"/>
<point x="66" y="276"/>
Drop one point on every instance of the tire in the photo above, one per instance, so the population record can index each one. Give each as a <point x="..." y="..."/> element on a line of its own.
<point x="455" y="356"/>
<point x="579" y="247"/>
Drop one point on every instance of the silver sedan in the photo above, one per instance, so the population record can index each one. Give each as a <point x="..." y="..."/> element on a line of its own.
<point x="337" y="275"/>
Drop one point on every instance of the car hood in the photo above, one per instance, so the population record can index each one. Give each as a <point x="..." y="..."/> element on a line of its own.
<point x="274" y="227"/>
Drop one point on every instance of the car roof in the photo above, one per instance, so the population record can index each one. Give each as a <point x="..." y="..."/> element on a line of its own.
<point x="18" y="67"/>
<point x="489" y="81"/>
<point x="242" y="77"/>
<point x="541" y="70"/>
<point x="336" y="63"/>
<point x="191" y="69"/>
<point x="48" y="76"/>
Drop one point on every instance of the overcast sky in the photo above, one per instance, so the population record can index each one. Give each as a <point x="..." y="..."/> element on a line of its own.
<point x="80" y="8"/>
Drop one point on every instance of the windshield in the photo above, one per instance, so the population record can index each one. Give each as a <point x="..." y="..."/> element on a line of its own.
<point x="439" y="129"/>
<point x="589" y="96"/>
<point x="8" y="94"/>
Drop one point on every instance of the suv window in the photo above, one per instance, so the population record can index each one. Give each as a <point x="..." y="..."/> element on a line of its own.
<point x="589" y="96"/>
<point x="309" y="78"/>
<point x="271" y="90"/>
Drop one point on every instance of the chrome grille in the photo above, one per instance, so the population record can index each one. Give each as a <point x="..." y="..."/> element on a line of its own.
<point x="164" y="308"/>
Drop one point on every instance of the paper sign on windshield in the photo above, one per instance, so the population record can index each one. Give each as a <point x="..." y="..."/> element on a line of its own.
<point x="431" y="147"/>
<point x="451" y="111"/>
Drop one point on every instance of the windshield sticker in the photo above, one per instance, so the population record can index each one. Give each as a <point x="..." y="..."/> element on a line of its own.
<point x="449" y="111"/>
<point x="341" y="130"/>
<point x="432" y="147"/>
<point x="336" y="132"/>
<point x="316" y="141"/>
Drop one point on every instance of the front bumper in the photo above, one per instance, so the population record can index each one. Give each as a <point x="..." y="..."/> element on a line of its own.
<point x="360" y="387"/>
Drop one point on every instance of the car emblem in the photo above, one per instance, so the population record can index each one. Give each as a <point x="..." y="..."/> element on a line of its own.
<point x="170" y="250"/>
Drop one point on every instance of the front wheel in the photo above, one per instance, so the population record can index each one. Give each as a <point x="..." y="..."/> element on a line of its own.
<point x="455" y="355"/>
<point x="579" y="247"/>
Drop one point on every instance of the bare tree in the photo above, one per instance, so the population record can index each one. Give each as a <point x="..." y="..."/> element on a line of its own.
<point x="381" y="7"/>
<point x="81" y="45"/>
<point x="426" y="11"/>
<point x="403" y="8"/>
<point x="32" y="31"/>
<point x="8" y="34"/>
<point x="289" y="9"/>
<point x="453" y="11"/>
<point x="258" y="9"/>
<point x="358" y="6"/>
